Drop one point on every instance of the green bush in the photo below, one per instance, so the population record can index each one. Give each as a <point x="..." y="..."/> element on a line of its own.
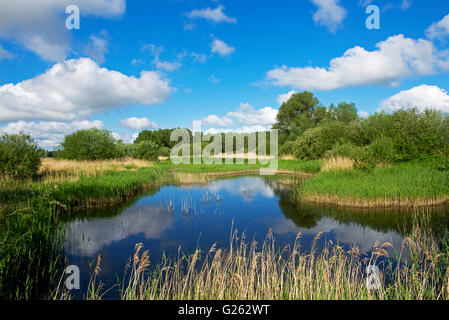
<point x="20" y="156"/>
<point x="308" y="146"/>
<point x="416" y="133"/>
<point x="347" y="150"/>
<point x="124" y="149"/>
<point x="164" y="152"/>
<point x="315" y="142"/>
<point x="413" y="133"/>
<point x="146" y="150"/>
<point x="383" y="150"/>
<point x="89" y="144"/>
<point x="287" y="148"/>
<point x="365" y="158"/>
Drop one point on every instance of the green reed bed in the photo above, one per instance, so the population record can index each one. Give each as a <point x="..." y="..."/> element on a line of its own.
<point x="29" y="218"/>
<point x="112" y="186"/>
<point x="28" y="250"/>
<point x="401" y="184"/>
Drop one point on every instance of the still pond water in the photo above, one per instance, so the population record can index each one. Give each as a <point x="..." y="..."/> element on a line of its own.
<point x="188" y="217"/>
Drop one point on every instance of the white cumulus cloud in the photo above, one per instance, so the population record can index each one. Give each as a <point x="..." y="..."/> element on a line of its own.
<point x="329" y="14"/>
<point x="439" y="29"/>
<point x="215" y="15"/>
<point x="285" y="97"/>
<point x="422" y="97"/>
<point x="249" y="118"/>
<point x="246" y="114"/>
<point x="213" y="120"/>
<point x="76" y="89"/>
<point x="405" y="4"/>
<point x="97" y="47"/>
<point x="49" y="134"/>
<point x="138" y="123"/>
<point x="40" y="25"/>
<point x="156" y="51"/>
<point x="222" y="48"/>
<point x="395" y="58"/>
<point x="244" y="129"/>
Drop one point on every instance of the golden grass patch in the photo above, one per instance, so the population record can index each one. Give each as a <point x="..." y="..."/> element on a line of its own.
<point x="287" y="157"/>
<point x="59" y="169"/>
<point x="337" y="164"/>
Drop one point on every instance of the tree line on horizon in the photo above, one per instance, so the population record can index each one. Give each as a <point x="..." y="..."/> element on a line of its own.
<point x="307" y="131"/>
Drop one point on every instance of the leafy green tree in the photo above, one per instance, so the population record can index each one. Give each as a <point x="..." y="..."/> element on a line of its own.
<point x="160" y="137"/>
<point x="89" y="144"/>
<point x="297" y="114"/>
<point x="321" y="114"/>
<point x="344" y="112"/>
<point x="20" y="155"/>
<point x="146" y="150"/>
<point x="125" y="149"/>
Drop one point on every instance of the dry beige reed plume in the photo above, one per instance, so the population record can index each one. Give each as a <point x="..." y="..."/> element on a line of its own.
<point x="337" y="164"/>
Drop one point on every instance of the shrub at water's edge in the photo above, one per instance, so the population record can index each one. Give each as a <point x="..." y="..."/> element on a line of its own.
<point x="20" y="156"/>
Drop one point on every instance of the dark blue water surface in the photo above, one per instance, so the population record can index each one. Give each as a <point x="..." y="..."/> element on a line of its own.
<point x="250" y="204"/>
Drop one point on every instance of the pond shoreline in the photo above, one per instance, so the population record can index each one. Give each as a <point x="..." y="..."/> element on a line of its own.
<point x="33" y="209"/>
<point x="374" y="203"/>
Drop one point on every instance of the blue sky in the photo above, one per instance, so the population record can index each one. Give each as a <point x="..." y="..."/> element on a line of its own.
<point x="134" y="65"/>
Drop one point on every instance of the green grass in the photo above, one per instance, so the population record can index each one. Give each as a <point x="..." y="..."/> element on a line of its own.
<point x="399" y="182"/>
<point x="310" y="167"/>
<point x="114" y="186"/>
<point x="28" y="251"/>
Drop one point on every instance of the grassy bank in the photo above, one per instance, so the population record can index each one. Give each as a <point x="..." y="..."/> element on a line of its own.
<point x="29" y="244"/>
<point x="397" y="185"/>
<point x="29" y="216"/>
<point x="202" y="173"/>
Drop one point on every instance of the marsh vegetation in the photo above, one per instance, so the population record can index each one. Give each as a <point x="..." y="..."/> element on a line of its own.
<point x="398" y="160"/>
